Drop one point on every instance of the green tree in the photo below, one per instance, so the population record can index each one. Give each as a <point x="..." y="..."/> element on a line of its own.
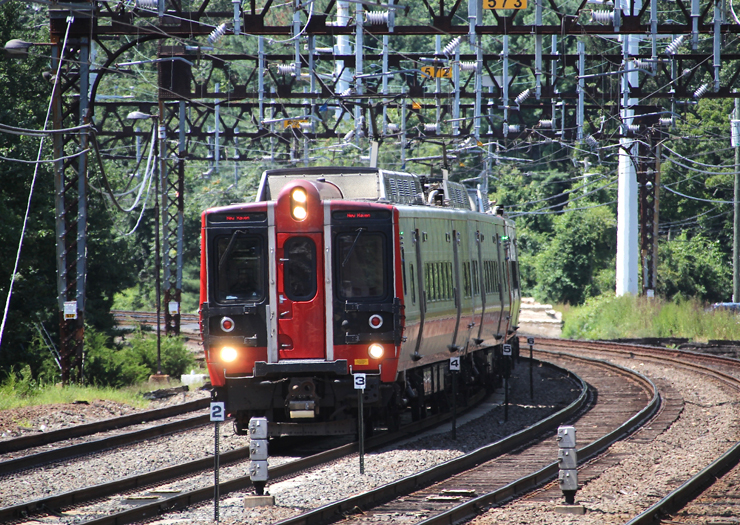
<point x="570" y="267"/>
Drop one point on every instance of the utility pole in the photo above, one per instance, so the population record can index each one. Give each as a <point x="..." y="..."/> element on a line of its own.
<point x="735" y="124"/>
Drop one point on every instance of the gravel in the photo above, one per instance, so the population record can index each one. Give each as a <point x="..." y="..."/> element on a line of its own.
<point x="706" y="428"/>
<point x="312" y="488"/>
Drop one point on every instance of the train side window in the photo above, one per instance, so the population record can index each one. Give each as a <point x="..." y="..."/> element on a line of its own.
<point x="413" y="285"/>
<point x="240" y="271"/>
<point x="466" y="279"/>
<point x="300" y="268"/>
<point x="361" y="264"/>
<point x="476" y="278"/>
<point x="450" y="282"/>
<point x="514" y="276"/>
<point x="403" y="270"/>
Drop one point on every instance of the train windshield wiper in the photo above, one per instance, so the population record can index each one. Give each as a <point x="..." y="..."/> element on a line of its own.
<point x="359" y="231"/>
<point x="227" y="252"/>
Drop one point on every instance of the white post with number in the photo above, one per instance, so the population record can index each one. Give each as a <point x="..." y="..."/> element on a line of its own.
<point x="530" y="342"/>
<point x="455" y="370"/>
<point x="218" y="414"/>
<point x="360" y="382"/>
<point x="507" y="372"/>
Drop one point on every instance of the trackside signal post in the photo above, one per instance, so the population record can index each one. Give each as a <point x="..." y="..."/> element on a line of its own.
<point x="455" y="370"/>
<point x="218" y="414"/>
<point x="530" y="342"/>
<point x="507" y="374"/>
<point x="360" y="382"/>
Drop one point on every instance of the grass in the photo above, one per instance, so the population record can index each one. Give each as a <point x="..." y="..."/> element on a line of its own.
<point x="18" y="392"/>
<point x="609" y="317"/>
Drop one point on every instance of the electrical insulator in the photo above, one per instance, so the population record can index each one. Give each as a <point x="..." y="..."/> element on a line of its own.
<point x="431" y="128"/>
<point x="468" y="66"/>
<point x="147" y="4"/>
<point x="286" y="69"/>
<point x="376" y="18"/>
<point x="306" y="126"/>
<point x="634" y="128"/>
<point x="592" y="142"/>
<point x="347" y="92"/>
<point x="513" y="128"/>
<point x="602" y="17"/>
<point x="701" y="91"/>
<point x="666" y="122"/>
<point x="642" y="64"/>
<point x="545" y="123"/>
<point x="392" y="128"/>
<point x="452" y="46"/>
<point x="673" y="46"/>
<point x="524" y="95"/>
<point x="217" y="33"/>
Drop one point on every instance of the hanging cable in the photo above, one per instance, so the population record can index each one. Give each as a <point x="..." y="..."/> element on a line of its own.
<point x="33" y="182"/>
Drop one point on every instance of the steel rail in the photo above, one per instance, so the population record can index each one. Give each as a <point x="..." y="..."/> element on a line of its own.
<point x="476" y="506"/>
<point x="334" y="511"/>
<point x="681" y="496"/>
<point x="44" y="438"/>
<point x="184" y="500"/>
<point x="81" y="449"/>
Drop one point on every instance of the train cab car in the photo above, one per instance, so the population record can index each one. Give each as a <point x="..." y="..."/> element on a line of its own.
<point x="339" y="271"/>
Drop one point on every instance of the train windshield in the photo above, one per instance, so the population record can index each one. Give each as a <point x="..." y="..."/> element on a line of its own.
<point x="360" y="262"/>
<point x="240" y="275"/>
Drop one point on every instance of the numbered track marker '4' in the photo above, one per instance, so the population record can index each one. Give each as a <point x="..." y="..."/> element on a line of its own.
<point x="218" y="411"/>
<point x="504" y="4"/>
<point x="455" y="364"/>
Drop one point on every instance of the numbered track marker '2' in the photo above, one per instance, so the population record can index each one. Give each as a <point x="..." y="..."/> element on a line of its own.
<point x="218" y="411"/>
<point x="504" y="4"/>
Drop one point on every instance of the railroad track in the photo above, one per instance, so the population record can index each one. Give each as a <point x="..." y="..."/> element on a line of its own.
<point x="174" y="501"/>
<point x="707" y="495"/>
<point x="123" y="317"/>
<point x="462" y="488"/>
<point x="46" y="438"/>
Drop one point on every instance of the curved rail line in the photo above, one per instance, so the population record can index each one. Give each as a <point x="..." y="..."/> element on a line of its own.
<point x="183" y="500"/>
<point x="88" y="447"/>
<point x="690" y="489"/>
<point x="474" y="469"/>
<point x="45" y="438"/>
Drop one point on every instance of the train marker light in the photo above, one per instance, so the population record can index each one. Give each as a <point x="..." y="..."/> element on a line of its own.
<point x="375" y="321"/>
<point x="298" y="200"/>
<point x="228" y="354"/>
<point x="375" y="351"/>
<point x="227" y="324"/>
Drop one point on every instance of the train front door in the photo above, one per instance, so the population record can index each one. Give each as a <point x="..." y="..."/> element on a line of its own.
<point x="301" y="309"/>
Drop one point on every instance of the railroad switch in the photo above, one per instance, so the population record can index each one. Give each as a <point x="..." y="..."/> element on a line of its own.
<point x="568" y="463"/>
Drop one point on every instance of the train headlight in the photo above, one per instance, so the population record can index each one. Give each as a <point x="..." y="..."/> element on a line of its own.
<point x="228" y="354"/>
<point x="298" y="199"/>
<point x="375" y="351"/>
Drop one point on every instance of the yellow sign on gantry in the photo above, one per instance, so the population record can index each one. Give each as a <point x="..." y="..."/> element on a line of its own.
<point x="504" y="4"/>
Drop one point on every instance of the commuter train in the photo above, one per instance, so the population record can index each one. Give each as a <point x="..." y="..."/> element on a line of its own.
<point x="339" y="271"/>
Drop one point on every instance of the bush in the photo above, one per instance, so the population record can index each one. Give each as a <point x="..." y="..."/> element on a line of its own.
<point x="106" y="365"/>
<point x="610" y="317"/>
<point x="176" y="358"/>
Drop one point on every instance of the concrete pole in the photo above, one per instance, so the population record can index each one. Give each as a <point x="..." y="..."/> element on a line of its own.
<point x="627" y="209"/>
<point x="736" y="222"/>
